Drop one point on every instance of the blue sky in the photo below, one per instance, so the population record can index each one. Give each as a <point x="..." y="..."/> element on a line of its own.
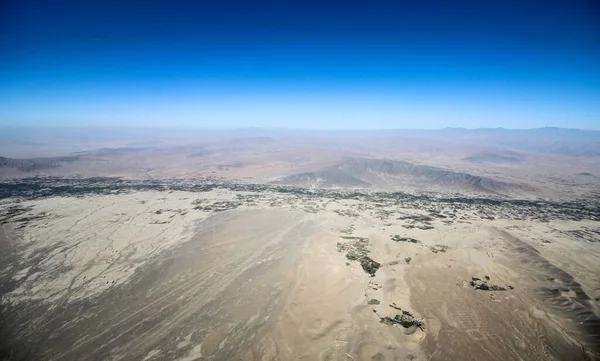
<point x="305" y="64"/>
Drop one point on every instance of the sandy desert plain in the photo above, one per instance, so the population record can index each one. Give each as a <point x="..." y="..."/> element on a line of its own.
<point x="293" y="245"/>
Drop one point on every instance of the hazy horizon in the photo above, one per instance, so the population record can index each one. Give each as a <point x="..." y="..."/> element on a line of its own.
<point x="193" y="127"/>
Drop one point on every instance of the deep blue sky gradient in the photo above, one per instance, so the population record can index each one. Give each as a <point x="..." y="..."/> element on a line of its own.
<point x="301" y="64"/>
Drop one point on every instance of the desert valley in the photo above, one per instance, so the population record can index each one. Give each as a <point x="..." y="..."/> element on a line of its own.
<point x="452" y="244"/>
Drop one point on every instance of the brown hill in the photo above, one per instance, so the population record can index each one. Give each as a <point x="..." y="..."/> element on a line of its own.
<point x="384" y="173"/>
<point x="33" y="164"/>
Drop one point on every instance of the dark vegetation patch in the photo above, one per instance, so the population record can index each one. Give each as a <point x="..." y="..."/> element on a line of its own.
<point x="219" y="206"/>
<point x="357" y="250"/>
<point x="416" y="218"/>
<point x="397" y="238"/>
<point x="419" y="221"/>
<point x="404" y="319"/>
<point x="369" y="266"/>
<point x="540" y="210"/>
<point x="348" y="230"/>
<point x="437" y="215"/>
<point x="419" y="226"/>
<point x="355" y="238"/>
<point x="346" y="213"/>
<point x="439" y="248"/>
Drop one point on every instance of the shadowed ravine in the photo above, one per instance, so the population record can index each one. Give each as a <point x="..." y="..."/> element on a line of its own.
<point x="560" y="293"/>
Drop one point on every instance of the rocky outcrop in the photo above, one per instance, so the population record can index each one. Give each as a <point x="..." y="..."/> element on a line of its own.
<point x="479" y="284"/>
<point x="404" y="319"/>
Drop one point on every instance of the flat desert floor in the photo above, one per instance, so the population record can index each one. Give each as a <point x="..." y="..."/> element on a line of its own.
<point x="113" y="271"/>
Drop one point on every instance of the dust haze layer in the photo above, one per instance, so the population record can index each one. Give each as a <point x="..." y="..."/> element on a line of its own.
<point x="545" y="163"/>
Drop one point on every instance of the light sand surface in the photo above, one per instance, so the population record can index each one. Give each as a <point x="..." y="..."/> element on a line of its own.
<point x="177" y="275"/>
<point x="529" y="322"/>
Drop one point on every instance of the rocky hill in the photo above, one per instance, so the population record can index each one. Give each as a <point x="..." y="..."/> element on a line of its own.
<point x="33" y="164"/>
<point x="384" y="173"/>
